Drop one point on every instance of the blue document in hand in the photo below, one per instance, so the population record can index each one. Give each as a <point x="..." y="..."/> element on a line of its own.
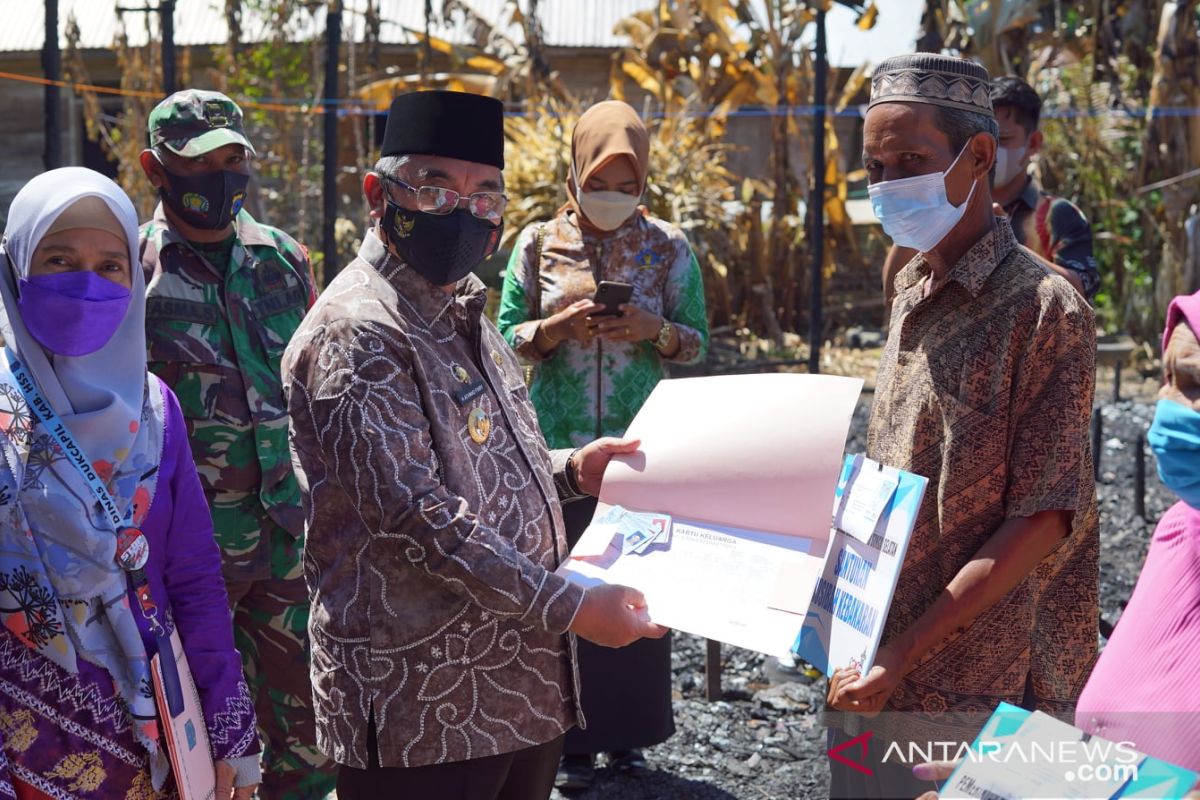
<point x="1024" y="754"/>
<point x="875" y="509"/>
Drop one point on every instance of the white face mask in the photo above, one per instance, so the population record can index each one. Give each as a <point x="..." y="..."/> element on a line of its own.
<point x="607" y="210"/>
<point x="1009" y="163"/>
<point x="915" y="211"/>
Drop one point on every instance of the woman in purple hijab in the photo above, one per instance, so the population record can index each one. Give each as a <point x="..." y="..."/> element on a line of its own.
<point x="106" y="542"/>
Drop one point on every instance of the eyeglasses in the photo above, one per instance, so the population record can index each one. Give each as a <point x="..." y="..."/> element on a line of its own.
<point x="487" y="206"/>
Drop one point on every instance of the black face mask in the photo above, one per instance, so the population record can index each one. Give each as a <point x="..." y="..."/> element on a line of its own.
<point x="442" y="248"/>
<point x="209" y="201"/>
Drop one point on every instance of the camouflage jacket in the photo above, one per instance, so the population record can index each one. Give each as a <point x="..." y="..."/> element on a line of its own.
<point x="215" y="335"/>
<point x="434" y="526"/>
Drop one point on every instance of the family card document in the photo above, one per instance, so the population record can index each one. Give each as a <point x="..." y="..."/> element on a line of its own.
<point x="744" y="467"/>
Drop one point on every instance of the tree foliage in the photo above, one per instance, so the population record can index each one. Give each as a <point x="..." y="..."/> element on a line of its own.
<point x="701" y="60"/>
<point x="1121" y="80"/>
<point x="123" y="135"/>
<point x="1121" y="84"/>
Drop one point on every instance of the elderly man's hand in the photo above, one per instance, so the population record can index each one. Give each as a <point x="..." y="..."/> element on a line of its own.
<point x="851" y="691"/>
<point x="614" y="616"/>
<point x="590" y="461"/>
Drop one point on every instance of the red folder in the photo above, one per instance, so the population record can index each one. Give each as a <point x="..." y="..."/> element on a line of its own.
<point x="185" y="736"/>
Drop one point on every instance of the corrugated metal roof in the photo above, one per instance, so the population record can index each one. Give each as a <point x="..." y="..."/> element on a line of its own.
<point x="567" y="23"/>
<point x="575" y="24"/>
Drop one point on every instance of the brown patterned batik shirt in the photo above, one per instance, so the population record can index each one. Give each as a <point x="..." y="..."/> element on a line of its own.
<point x="985" y="388"/>
<point x="433" y="525"/>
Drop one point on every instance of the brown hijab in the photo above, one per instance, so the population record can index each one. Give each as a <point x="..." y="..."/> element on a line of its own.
<point x="605" y="131"/>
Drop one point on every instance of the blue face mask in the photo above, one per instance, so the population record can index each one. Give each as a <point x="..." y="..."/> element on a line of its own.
<point x="1175" y="439"/>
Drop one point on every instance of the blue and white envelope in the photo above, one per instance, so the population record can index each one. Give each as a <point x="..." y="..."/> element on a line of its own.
<point x="1021" y="754"/>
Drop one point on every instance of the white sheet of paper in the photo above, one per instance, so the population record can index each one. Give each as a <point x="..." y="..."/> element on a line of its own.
<point x="596" y="540"/>
<point x="714" y="582"/>
<point x="757" y="452"/>
<point x="869" y="496"/>
<point x="746" y="465"/>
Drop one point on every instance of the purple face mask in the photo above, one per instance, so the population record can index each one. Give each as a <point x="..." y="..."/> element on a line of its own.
<point x="72" y="313"/>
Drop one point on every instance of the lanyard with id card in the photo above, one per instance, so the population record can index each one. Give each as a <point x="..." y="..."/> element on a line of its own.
<point x="179" y="710"/>
<point x="133" y="551"/>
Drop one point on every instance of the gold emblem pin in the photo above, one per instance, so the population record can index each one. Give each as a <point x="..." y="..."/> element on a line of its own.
<point x="404" y="226"/>
<point x="497" y="359"/>
<point x="478" y="425"/>
<point x="461" y="374"/>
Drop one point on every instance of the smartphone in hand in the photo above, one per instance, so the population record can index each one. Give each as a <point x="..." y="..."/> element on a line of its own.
<point x="611" y="295"/>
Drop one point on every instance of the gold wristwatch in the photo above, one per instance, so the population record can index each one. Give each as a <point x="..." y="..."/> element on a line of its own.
<point x="664" y="336"/>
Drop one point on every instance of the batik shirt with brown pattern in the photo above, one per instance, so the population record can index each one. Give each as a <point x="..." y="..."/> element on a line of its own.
<point x="985" y="388"/>
<point x="433" y="525"/>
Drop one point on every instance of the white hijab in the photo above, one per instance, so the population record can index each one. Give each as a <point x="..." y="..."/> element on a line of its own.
<point x="95" y="395"/>
<point x="114" y="413"/>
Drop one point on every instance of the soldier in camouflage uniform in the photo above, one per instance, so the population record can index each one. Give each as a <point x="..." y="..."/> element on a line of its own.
<point x="224" y="295"/>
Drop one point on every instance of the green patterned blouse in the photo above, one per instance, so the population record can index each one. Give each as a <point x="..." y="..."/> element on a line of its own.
<point x="582" y="392"/>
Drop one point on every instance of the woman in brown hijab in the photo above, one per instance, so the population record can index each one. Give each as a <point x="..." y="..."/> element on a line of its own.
<point x="593" y="372"/>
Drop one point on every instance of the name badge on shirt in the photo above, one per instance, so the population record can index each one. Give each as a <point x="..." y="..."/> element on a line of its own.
<point x="469" y="392"/>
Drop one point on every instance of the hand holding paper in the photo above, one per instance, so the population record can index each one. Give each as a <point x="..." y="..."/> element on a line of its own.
<point x="592" y="460"/>
<point x="867" y="694"/>
<point x="614" y="616"/>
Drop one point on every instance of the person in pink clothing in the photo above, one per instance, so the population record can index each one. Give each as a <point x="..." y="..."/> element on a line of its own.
<point x="1158" y="636"/>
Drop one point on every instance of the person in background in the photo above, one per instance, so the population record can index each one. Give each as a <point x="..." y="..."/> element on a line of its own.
<point x="443" y="639"/>
<point x="224" y="294"/>
<point x="985" y="387"/>
<point x="592" y="373"/>
<point x="85" y="598"/>
<point x="1053" y="228"/>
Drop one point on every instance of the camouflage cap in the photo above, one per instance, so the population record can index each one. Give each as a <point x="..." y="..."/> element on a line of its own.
<point x="194" y="122"/>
